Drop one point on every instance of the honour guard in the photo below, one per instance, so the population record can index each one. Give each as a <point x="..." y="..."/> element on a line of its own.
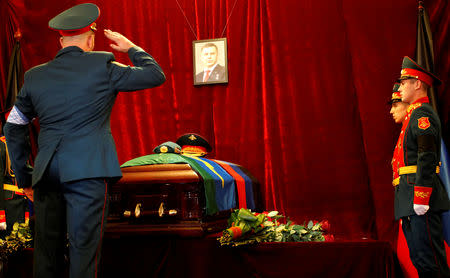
<point x="420" y="196"/>
<point x="13" y="203"/>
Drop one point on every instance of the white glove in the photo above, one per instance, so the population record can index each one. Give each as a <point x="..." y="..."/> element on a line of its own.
<point x="421" y="209"/>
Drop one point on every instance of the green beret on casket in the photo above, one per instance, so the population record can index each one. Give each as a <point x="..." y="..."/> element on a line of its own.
<point x="167" y="147"/>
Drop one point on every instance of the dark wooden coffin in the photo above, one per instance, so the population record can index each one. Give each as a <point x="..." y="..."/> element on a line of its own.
<point x="161" y="199"/>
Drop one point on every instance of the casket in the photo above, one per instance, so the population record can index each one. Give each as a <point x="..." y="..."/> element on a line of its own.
<point x="161" y="199"/>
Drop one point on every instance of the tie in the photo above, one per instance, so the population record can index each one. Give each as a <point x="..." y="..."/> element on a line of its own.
<point x="206" y="75"/>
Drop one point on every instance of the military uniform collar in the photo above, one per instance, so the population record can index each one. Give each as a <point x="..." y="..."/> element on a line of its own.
<point x="421" y="100"/>
<point x="69" y="49"/>
<point x="417" y="103"/>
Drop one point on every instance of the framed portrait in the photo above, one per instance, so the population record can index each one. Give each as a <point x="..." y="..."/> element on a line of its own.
<point x="210" y="61"/>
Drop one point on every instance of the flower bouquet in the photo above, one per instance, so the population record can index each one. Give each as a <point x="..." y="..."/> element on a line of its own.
<point x="19" y="239"/>
<point x="246" y="227"/>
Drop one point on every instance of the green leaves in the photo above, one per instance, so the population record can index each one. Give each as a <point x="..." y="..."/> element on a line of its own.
<point x="265" y="227"/>
<point x="19" y="239"/>
<point x="246" y="215"/>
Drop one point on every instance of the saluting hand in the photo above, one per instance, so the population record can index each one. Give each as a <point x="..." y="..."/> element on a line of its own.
<point x="121" y="43"/>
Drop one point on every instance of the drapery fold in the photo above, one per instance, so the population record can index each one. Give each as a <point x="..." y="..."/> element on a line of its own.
<point x="305" y="107"/>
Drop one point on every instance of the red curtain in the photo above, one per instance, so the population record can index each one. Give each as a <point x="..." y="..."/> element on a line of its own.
<point x="305" y="107"/>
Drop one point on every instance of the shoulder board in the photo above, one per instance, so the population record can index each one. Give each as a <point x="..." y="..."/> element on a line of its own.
<point x="413" y="107"/>
<point x="3" y="139"/>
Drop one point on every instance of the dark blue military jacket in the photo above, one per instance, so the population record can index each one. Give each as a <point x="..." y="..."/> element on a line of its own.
<point x="72" y="95"/>
<point x="421" y="147"/>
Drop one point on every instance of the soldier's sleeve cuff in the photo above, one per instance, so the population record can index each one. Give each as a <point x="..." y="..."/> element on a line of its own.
<point x="2" y="220"/>
<point x="133" y="51"/>
<point x="422" y="195"/>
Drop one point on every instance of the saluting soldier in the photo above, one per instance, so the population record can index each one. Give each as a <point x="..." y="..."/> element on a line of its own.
<point x="420" y="196"/>
<point x="72" y="95"/>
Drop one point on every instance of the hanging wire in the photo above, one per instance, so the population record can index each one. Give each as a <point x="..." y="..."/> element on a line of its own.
<point x="192" y="29"/>
<point x="228" y="19"/>
<point x="190" y="26"/>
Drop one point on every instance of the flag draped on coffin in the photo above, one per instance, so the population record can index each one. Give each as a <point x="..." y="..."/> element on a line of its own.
<point x="244" y="183"/>
<point x="223" y="182"/>
<point x="225" y="185"/>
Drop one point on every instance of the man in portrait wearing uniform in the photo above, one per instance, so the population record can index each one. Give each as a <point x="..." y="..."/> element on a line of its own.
<point x="72" y="95"/>
<point x="212" y="71"/>
<point x="420" y="196"/>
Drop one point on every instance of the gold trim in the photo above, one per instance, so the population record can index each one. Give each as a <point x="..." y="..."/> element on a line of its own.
<point x="396" y="181"/>
<point x="422" y="195"/>
<point x="412" y="169"/>
<point x="12" y="187"/>
<point x="8" y="163"/>
<point x="413" y="106"/>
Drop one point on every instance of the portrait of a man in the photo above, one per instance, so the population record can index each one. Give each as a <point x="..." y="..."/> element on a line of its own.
<point x="210" y="62"/>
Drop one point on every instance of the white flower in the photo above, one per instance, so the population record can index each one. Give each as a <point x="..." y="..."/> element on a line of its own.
<point x="278" y="237"/>
<point x="268" y="224"/>
<point x="272" y="213"/>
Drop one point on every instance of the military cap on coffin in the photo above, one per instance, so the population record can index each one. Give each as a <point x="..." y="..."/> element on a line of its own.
<point x="193" y="145"/>
<point x="76" y="20"/>
<point x="167" y="147"/>
<point x="396" y="96"/>
<point x="411" y="69"/>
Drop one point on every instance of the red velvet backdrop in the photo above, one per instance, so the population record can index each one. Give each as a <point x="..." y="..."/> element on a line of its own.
<point x="305" y="107"/>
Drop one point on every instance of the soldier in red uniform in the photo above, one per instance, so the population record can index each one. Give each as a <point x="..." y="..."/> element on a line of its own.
<point x="399" y="109"/>
<point x="13" y="203"/>
<point x="420" y="196"/>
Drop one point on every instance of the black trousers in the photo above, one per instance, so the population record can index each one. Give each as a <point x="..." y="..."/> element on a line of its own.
<point x="425" y="240"/>
<point x="73" y="214"/>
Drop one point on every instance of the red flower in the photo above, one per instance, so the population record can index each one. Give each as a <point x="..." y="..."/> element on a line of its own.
<point x="235" y="232"/>
<point x="329" y="237"/>
<point x="325" y="225"/>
